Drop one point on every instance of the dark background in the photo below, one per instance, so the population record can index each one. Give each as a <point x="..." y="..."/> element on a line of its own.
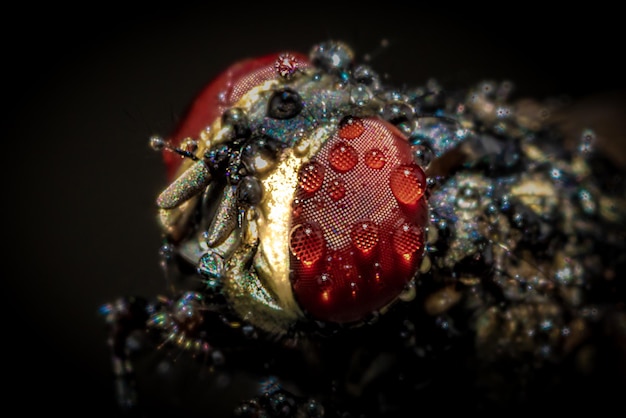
<point x="85" y="88"/>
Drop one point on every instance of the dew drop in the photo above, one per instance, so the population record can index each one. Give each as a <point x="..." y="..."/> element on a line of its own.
<point x="587" y="142"/>
<point x="364" y="236"/>
<point x="422" y="154"/>
<point x="337" y="189"/>
<point x="377" y="272"/>
<point x="324" y="281"/>
<point x="375" y="159"/>
<point x="344" y="270"/>
<point x="324" y="285"/>
<point x="157" y="143"/>
<point x="286" y="65"/>
<point x="354" y="288"/>
<point x="307" y="243"/>
<point x="467" y="197"/>
<point x="311" y="177"/>
<point x="407" y="183"/>
<point x="296" y="207"/>
<point x="211" y="266"/>
<point x="343" y="157"/>
<point x="350" y="128"/>
<point x="407" y="240"/>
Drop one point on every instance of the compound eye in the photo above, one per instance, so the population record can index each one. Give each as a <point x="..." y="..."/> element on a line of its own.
<point x="359" y="213"/>
<point x="224" y="92"/>
<point x="284" y="104"/>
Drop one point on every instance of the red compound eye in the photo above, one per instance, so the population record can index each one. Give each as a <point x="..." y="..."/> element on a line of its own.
<point x="368" y="214"/>
<point x="224" y="91"/>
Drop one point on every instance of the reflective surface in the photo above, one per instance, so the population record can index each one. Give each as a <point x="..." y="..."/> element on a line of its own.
<point x="86" y="95"/>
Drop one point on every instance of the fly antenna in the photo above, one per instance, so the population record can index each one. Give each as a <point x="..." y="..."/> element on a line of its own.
<point x="187" y="149"/>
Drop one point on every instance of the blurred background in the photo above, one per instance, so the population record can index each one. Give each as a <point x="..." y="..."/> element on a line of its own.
<point x="88" y="86"/>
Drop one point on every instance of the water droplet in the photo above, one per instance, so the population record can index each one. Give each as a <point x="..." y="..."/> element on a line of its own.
<point x="296" y="207"/>
<point x="333" y="56"/>
<point x="314" y="409"/>
<point x="422" y="154"/>
<point x="467" y="197"/>
<point x="324" y="281"/>
<point x="407" y="241"/>
<point x="311" y="177"/>
<point x="157" y="143"/>
<point x="337" y="189"/>
<point x="217" y="357"/>
<point x="360" y="95"/>
<point x="354" y="288"/>
<point x="374" y="158"/>
<point x="307" y="243"/>
<point x="211" y="265"/>
<point x="343" y="157"/>
<point x="587" y="142"/>
<point x="324" y="284"/>
<point x="286" y="65"/>
<point x="350" y="128"/>
<point x="364" y="236"/>
<point x="408" y="183"/>
<point x="378" y="272"/>
<point x="397" y="112"/>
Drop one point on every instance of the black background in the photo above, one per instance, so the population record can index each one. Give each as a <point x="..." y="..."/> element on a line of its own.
<point x="86" y="87"/>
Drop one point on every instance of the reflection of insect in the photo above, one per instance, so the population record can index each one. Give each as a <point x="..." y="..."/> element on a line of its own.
<point x="308" y="200"/>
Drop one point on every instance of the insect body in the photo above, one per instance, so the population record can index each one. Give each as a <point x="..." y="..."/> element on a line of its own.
<point x="307" y="202"/>
<point x="290" y="166"/>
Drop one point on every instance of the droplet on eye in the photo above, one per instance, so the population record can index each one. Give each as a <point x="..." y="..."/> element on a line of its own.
<point x="377" y="272"/>
<point x="311" y="177"/>
<point x="354" y="288"/>
<point x="296" y="207"/>
<point x="324" y="284"/>
<point x="343" y="157"/>
<point x="337" y="189"/>
<point x="286" y="65"/>
<point x="364" y="236"/>
<point x="375" y="159"/>
<point x="408" y="183"/>
<point x="350" y="128"/>
<point x="306" y="243"/>
<point x="407" y="241"/>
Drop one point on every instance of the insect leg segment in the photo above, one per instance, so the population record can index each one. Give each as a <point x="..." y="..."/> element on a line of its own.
<point x="125" y="319"/>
